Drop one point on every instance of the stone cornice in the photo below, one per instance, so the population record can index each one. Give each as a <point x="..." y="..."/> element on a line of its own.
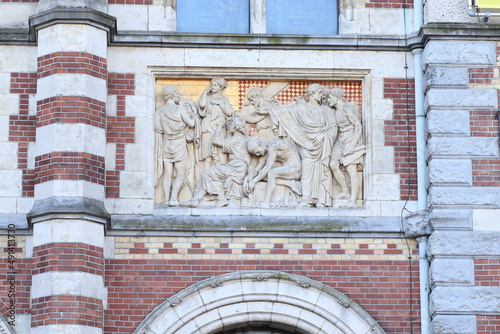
<point x="447" y="31"/>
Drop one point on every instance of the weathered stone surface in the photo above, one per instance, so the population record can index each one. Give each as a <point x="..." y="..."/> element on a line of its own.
<point x="464" y="196"/>
<point x="462" y="146"/>
<point x="453" y="324"/>
<point x="486" y="219"/>
<point x="460" y="98"/>
<point x="451" y="219"/>
<point x="99" y="5"/>
<point x="450" y="171"/>
<point x="465" y="299"/>
<point x="459" y="243"/>
<point x="448" y="121"/>
<point x="452" y="271"/>
<point x="446" y="76"/>
<point x="459" y="52"/>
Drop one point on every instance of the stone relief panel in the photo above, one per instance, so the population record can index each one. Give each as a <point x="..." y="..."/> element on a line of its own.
<point x="267" y="144"/>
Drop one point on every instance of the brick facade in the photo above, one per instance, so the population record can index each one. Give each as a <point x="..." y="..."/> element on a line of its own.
<point x="400" y="133"/>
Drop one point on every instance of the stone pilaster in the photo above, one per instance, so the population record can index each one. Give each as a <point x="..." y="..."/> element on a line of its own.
<point x="454" y="145"/>
<point x="68" y="216"/>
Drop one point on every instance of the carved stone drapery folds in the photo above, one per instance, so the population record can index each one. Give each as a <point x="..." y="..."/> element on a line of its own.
<point x="304" y="152"/>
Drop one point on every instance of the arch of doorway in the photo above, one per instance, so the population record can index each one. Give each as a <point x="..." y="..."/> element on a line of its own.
<point x="274" y="299"/>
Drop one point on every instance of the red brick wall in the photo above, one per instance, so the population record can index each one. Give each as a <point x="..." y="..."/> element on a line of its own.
<point x="389" y="4"/>
<point x="22" y="127"/>
<point x="488" y="324"/>
<point x="72" y="62"/>
<point x="485" y="172"/>
<point x="400" y="133"/>
<point x="120" y="128"/>
<point x="487" y="272"/>
<point x="381" y="287"/>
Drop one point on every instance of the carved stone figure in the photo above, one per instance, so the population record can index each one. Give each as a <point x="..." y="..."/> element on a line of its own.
<point x="311" y="126"/>
<point x="225" y="180"/>
<point x="263" y="123"/>
<point x="214" y="108"/>
<point x="348" y="149"/>
<point x="172" y="122"/>
<point x="286" y="173"/>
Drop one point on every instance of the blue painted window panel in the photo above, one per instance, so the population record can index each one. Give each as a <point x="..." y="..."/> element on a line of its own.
<point x="213" y="16"/>
<point x="311" y="17"/>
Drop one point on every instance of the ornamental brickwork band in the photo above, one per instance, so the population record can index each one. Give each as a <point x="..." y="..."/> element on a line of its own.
<point x="270" y="145"/>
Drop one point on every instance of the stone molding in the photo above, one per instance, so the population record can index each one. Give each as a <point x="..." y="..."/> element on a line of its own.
<point x="276" y="298"/>
<point x="68" y="207"/>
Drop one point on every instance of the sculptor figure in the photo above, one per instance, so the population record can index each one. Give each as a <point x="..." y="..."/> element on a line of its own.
<point x="286" y="173"/>
<point x="171" y="123"/>
<point x="311" y="126"/>
<point x="225" y="180"/>
<point x="214" y="108"/>
<point x="348" y="149"/>
<point x="263" y="123"/>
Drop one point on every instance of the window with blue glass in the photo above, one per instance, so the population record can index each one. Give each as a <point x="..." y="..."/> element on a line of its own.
<point x="209" y="16"/>
<point x="311" y="17"/>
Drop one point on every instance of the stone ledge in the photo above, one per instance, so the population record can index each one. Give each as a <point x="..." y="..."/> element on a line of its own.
<point x="68" y="207"/>
<point x="258" y="224"/>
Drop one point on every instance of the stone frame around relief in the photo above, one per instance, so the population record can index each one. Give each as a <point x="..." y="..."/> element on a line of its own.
<point x="193" y="79"/>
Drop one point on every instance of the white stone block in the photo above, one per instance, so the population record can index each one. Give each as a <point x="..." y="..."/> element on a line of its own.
<point x="450" y="171"/>
<point x="72" y="84"/>
<point x="130" y="18"/>
<point x="373" y="61"/>
<point x="8" y="155"/>
<point x="464" y="196"/>
<point x="31" y="155"/>
<point x="136" y="184"/>
<point x="161" y="18"/>
<point x="134" y="206"/>
<point x="4" y="128"/>
<point x="464" y="243"/>
<point x="32" y="104"/>
<point x="486" y="219"/>
<point x="110" y="162"/>
<point x="385" y="21"/>
<point x="446" y="219"/>
<point x="393" y="208"/>
<point x="131" y="60"/>
<point x="382" y="109"/>
<point x="465" y="299"/>
<point x="4" y="82"/>
<point x="436" y="76"/>
<point x="440" y="121"/>
<point x="438" y="11"/>
<point x="383" y="160"/>
<point x="16" y="15"/>
<point x="138" y="157"/>
<point x="9" y="103"/>
<point x="67" y="283"/>
<point x="461" y="98"/>
<point x="384" y="187"/>
<point x="139" y="106"/>
<point x="470" y="52"/>
<point x="71" y="137"/>
<point x="144" y="85"/>
<point x="65" y="329"/>
<point x="69" y="188"/>
<point x="8" y="205"/>
<point x="456" y="271"/>
<point x="99" y="5"/>
<point x="109" y="247"/>
<point x="460" y="146"/>
<point x="144" y="134"/>
<point x="111" y="106"/>
<point x="453" y="324"/>
<point x="20" y="59"/>
<point x="10" y="183"/>
<point x="236" y="58"/>
<point x="68" y="230"/>
<point x="24" y="204"/>
<point x="377" y="132"/>
<point x="72" y="38"/>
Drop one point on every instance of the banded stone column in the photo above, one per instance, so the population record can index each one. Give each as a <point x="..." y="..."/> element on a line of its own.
<point x="68" y="216"/>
